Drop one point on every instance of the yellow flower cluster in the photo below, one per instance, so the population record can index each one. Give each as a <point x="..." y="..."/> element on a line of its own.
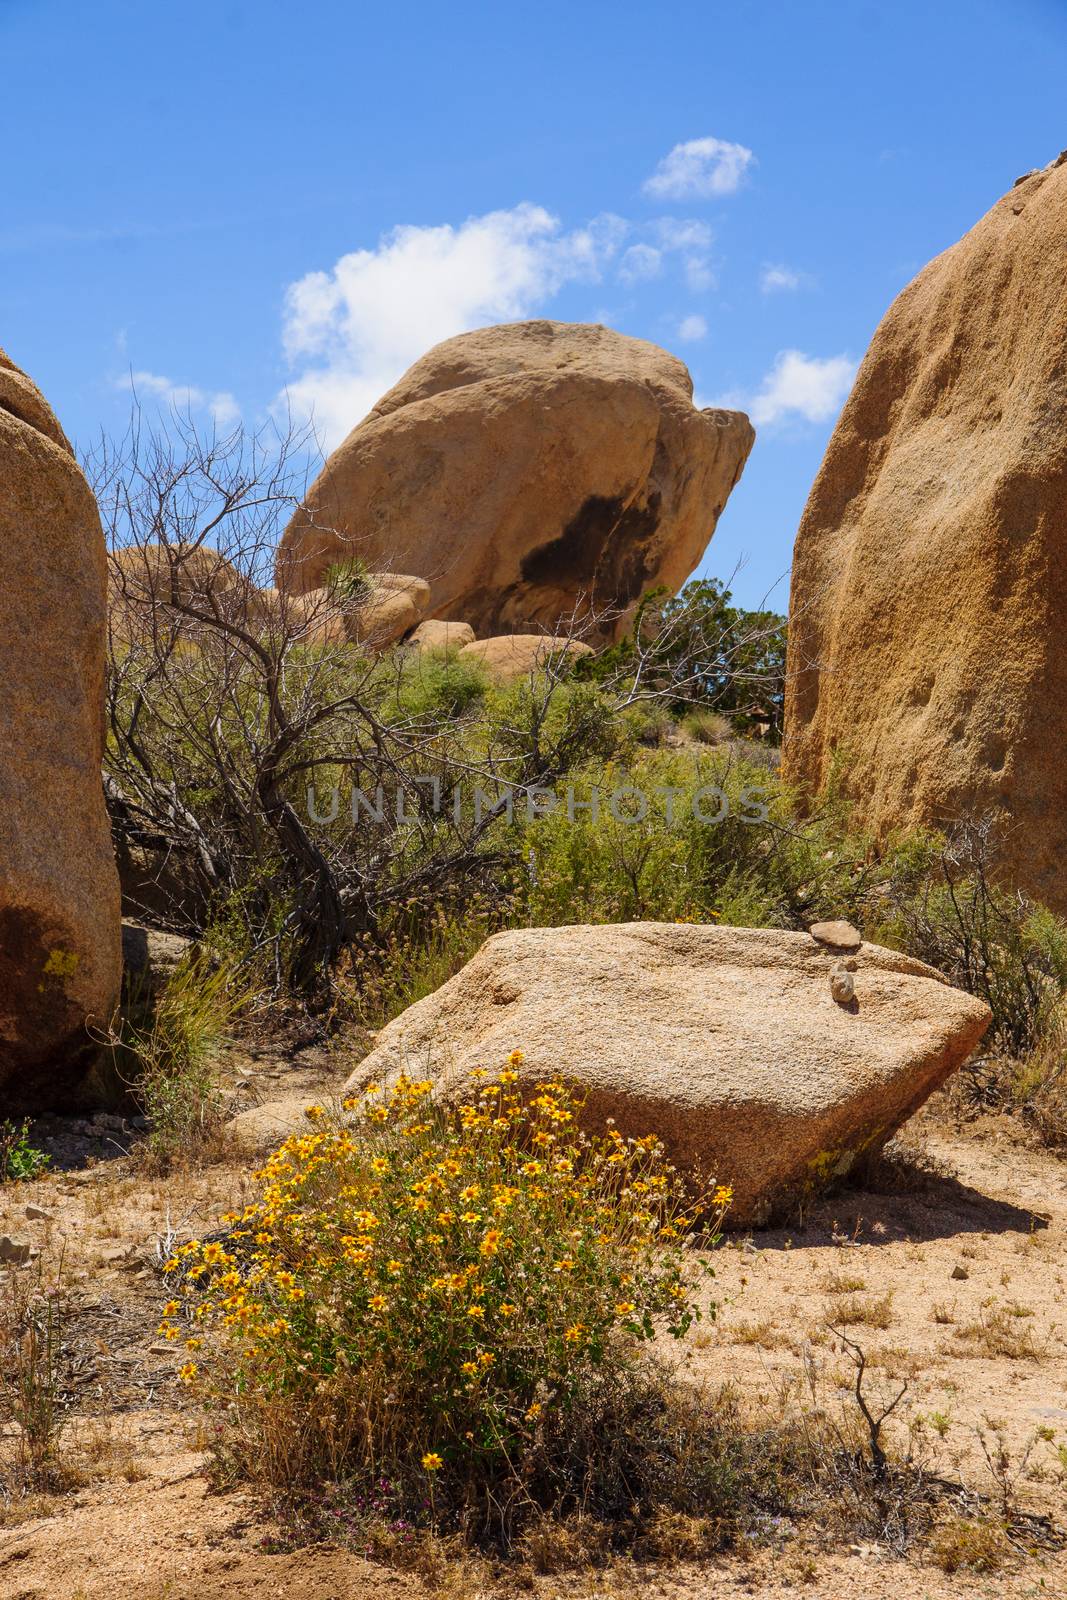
<point x="471" y="1266"/>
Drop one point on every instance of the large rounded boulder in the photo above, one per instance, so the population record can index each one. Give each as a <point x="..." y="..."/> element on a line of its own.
<point x="767" y="1060"/>
<point x="527" y="472"/>
<point x="60" y="951"/>
<point x="927" y="651"/>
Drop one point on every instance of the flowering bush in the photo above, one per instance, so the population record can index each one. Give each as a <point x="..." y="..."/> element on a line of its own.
<point x="442" y="1298"/>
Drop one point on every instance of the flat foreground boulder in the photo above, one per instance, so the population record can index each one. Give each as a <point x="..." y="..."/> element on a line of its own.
<point x="60" y="958"/>
<point x="727" y="1042"/>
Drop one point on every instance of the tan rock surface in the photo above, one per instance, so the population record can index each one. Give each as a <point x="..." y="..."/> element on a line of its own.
<point x="150" y="584"/>
<point x="385" y="610"/>
<point x="524" y="470"/>
<point x="442" y="635"/>
<point x="727" y="1042"/>
<point x="393" y="607"/>
<point x="929" y="589"/>
<point x="513" y="655"/>
<point x="59" y="895"/>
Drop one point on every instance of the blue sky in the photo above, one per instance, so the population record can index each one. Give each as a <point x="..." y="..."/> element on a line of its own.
<point x="232" y="199"/>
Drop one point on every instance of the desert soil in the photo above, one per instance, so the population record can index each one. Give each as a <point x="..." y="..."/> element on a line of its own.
<point x="951" y="1273"/>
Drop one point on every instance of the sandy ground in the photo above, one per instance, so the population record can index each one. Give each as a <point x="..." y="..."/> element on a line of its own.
<point x="951" y="1275"/>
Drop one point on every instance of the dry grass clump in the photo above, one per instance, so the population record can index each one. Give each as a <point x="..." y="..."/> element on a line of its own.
<point x="1001" y="1331"/>
<point x="706" y="727"/>
<point x="445" y="1312"/>
<point x="33" y="1306"/>
<point x="1040" y="1083"/>
<point x="970" y="1544"/>
<point x="838" y="1283"/>
<point x="856" y="1310"/>
<point x="168" y="1052"/>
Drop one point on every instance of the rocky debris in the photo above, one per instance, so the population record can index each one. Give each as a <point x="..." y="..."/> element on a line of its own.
<point x="150" y="958"/>
<point x="526" y="470"/>
<point x="837" y="935"/>
<point x="927" y="662"/>
<point x="842" y="982"/>
<point x="434" y="635"/>
<point x="34" y="1213"/>
<point x="515" y="655"/>
<point x="15" y="1252"/>
<point x="727" y="1042"/>
<point x="59" y="893"/>
<point x="392" y="607"/>
<point x="382" y="608"/>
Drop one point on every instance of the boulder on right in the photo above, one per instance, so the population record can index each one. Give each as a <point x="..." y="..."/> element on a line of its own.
<point x="927" y="644"/>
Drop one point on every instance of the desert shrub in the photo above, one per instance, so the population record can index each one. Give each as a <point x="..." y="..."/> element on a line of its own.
<point x="438" y="684"/>
<point x="34" y="1363"/>
<point x="18" y="1157"/>
<point x="705" y="727"/>
<point x="717" y="841"/>
<point x="1039" y="1086"/>
<point x="422" y="948"/>
<point x="702" y="651"/>
<point x="987" y="939"/>
<point x="348" y="580"/>
<point x="970" y="1544"/>
<point x="453" y="1303"/>
<point x="168" y="1052"/>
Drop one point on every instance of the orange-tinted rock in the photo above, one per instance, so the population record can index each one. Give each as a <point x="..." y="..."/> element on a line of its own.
<point x="514" y="655"/>
<point x="927" y="649"/>
<point x="525" y="471"/>
<point x="60" y="949"/>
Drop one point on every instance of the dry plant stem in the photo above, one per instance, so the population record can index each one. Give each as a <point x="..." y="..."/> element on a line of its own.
<point x="874" y="1424"/>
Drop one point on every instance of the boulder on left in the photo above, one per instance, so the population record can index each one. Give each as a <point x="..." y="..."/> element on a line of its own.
<point x="60" y="941"/>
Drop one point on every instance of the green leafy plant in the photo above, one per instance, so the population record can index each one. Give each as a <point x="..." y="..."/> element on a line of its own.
<point x="18" y="1157"/>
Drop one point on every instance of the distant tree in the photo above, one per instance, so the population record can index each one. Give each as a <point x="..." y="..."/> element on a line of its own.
<point x="698" y="650"/>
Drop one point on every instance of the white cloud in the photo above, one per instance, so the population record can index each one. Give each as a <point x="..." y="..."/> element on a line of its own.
<point x="185" y="397"/>
<point x="776" y="277"/>
<point x="356" y="328"/>
<point x="698" y="274"/>
<point x="692" y="328"/>
<point x="640" y="263"/>
<point x="810" y="387"/>
<point x="691" y="240"/>
<point x="702" y="168"/>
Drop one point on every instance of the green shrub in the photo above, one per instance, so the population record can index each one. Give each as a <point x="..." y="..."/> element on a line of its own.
<point x="705" y="727"/>
<point x="170" y="1059"/>
<point x="437" y="684"/>
<point x="456" y="1303"/>
<point x="18" y="1157"/>
<point x="348" y="580"/>
<point x="950" y="911"/>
